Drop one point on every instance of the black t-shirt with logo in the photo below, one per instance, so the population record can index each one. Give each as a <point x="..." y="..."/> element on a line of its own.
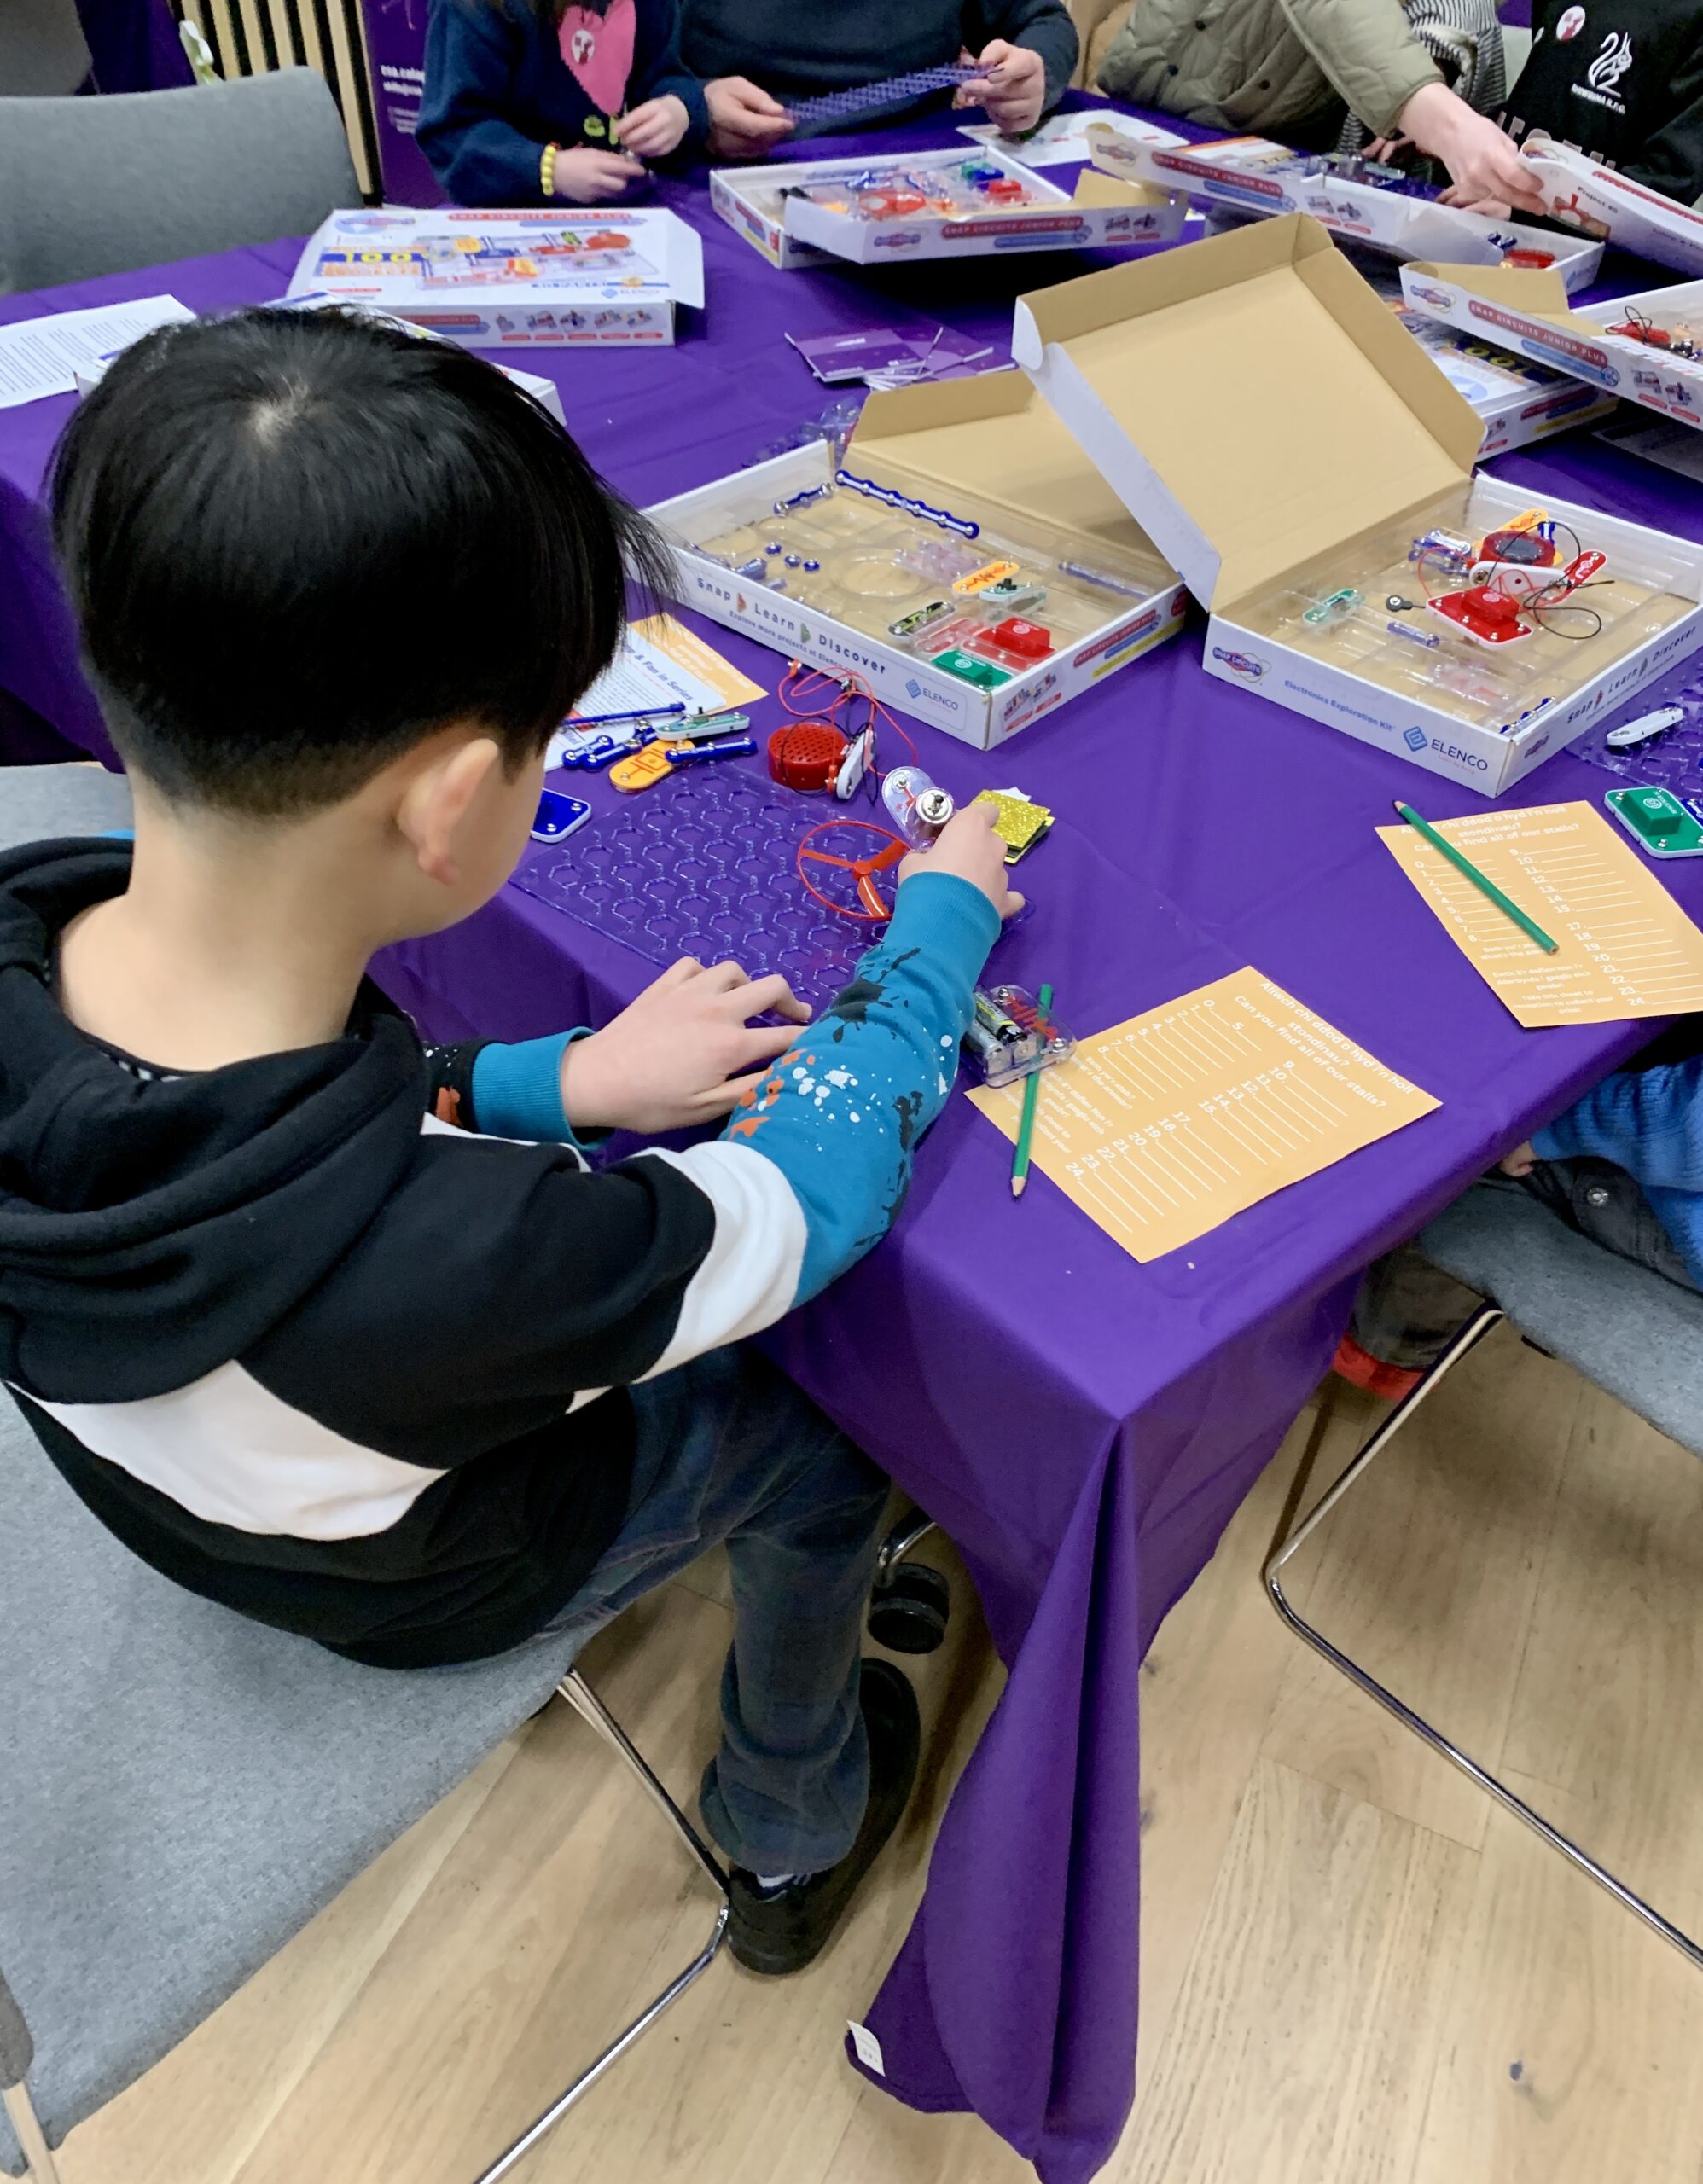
<point x="1623" y="80"/>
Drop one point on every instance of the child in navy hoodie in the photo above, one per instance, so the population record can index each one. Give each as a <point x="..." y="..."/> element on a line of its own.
<point x="528" y="99"/>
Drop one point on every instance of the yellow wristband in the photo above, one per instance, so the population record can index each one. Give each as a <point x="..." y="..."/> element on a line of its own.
<point x="547" y="170"/>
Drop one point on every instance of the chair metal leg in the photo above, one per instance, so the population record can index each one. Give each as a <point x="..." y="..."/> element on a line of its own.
<point x="585" y="1703"/>
<point x="39" y="2163"/>
<point x="900" y="1541"/>
<point x="1488" y="1316"/>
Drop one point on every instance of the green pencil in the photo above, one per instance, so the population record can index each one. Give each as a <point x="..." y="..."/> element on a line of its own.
<point x="1484" y="886"/>
<point x="1025" y="1126"/>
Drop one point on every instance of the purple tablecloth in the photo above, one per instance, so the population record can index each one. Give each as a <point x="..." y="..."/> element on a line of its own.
<point x="1083" y="1426"/>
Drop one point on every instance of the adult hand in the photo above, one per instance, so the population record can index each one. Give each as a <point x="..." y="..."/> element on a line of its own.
<point x="684" y="1052"/>
<point x="1520" y="1162"/>
<point x="1482" y="162"/>
<point x="651" y="131"/>
<point x="590" y="177"/>
<point x="968" y="847"/>
<point x="745" y="122"/>
<point x="1011" y="87"/>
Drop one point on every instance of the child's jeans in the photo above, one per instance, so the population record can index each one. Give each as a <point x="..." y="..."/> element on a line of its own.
<point x="1407" y="1310"/>
<point x="730" y="1450"/>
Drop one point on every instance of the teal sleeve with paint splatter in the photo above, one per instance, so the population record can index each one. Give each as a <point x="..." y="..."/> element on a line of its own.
<point x="842" y="1111"/>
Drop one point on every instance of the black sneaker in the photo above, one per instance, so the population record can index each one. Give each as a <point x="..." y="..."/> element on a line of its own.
<point x="784" y="1929"/>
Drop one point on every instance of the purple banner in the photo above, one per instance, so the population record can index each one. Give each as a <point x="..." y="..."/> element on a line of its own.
<point x="396" y="40"/>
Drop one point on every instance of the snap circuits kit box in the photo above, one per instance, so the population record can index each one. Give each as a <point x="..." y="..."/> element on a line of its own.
<point x="1325" y="509"/>
<point x="1518" y="399"/>
<point x="951" y="204"/>
<point x="1656" y="359"/>
<point x="562" y="279"/>
<point x="1357" y="200"/>
<point x="966" y="562"/>
<point x="1595" y="201"/>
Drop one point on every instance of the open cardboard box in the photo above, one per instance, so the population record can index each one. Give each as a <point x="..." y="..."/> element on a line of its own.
<point x="1598" y="201"/>
<point x="1529" y="312"/>
<point x="990" y="451"/>
<point x="1275" y="430"/>
<point x="1256" y="179"/>
<point x="1104" y="212"/>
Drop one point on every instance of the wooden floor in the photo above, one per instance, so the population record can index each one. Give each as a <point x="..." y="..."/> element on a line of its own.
<point x="1355" y="1971"/>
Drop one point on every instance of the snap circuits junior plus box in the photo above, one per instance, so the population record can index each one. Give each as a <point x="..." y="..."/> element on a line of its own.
<point x="965" y="560"/>
<point x="1325" y="508"/>
<point x="547" y="279"/>
<point x="1359" y="200"/>
<point x="1647" y="348"/>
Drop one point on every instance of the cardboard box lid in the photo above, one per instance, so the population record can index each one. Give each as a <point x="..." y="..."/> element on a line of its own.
<point x="995" y="437"/>
<point x="1251" y="400"/>
<point x="1538" y="291"/>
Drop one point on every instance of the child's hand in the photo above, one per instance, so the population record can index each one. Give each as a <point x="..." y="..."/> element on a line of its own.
<point x="968" y="848"/>
<point x="1520" y="1162"/>
<point x="590" y="177"/>
<point x="682" y="1053"/>
<point x="1011" y="88"/>
<point x="744" y="122"/>
<point x="652" y="130"/>
<point x="1482" y="162"/>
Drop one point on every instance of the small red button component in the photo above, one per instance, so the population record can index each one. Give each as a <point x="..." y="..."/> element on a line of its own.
<point x="1006" y="188"/>
<point x="1027" y="638"/>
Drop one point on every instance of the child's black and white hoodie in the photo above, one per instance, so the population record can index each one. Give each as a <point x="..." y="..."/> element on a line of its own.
<point x="318" y="1353"/>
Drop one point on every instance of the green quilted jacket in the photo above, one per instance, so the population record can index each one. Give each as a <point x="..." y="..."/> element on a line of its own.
<point x="1284" y="68"/>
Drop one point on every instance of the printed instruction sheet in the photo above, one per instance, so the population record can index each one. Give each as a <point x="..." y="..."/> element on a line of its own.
<point x="39" y="357"/>
<point x="1624" y="946"/>
<point x="1164" y="1126"/>
<point x="660" y="663"/>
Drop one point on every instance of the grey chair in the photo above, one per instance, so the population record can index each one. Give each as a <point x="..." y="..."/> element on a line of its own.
<point x="43" y="51"/>
<point x="39" y="802"/>
<point x="91" y="186"/>
<point x="181" y="1791"/>
<point x="1634" y="1335"/>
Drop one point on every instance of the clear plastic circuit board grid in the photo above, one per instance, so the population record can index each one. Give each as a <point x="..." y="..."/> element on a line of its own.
<point x="1673" y="760"/>
<point x="706" y="865"/>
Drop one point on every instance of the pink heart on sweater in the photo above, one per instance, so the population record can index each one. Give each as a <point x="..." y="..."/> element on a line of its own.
<point x="599" y="51"/>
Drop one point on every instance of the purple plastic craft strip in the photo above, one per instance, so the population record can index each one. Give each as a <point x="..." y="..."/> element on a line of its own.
<point x="863" y="98"/>
<point x="705" y="865"/>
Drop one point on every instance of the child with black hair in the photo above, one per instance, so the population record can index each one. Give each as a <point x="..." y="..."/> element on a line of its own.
<point x="528" y="101"/>
<point x="346" y="1333"/>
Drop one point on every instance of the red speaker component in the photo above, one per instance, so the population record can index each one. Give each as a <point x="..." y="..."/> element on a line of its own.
<point x="806" y="754"/>
<point x="1527" y="549"/>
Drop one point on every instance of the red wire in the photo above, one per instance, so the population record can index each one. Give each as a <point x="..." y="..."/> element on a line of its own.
<point x="804" y="694"/>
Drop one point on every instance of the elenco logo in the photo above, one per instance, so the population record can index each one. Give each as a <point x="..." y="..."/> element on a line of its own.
<point x="1570" y="25"/>
<point x="1239" y="663"/>
<point x="1440" y="297"/>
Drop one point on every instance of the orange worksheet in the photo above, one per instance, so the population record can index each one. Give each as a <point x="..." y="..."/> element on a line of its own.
<point x="1164" y="1126"/>
<point x="1624" y="946"/>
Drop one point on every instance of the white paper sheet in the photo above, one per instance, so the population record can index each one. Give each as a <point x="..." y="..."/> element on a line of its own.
<point x="39" y="357"/>
<point x="1063" y="140"/>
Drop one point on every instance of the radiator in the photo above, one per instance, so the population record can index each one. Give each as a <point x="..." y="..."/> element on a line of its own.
<point x="247" y="38"/>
